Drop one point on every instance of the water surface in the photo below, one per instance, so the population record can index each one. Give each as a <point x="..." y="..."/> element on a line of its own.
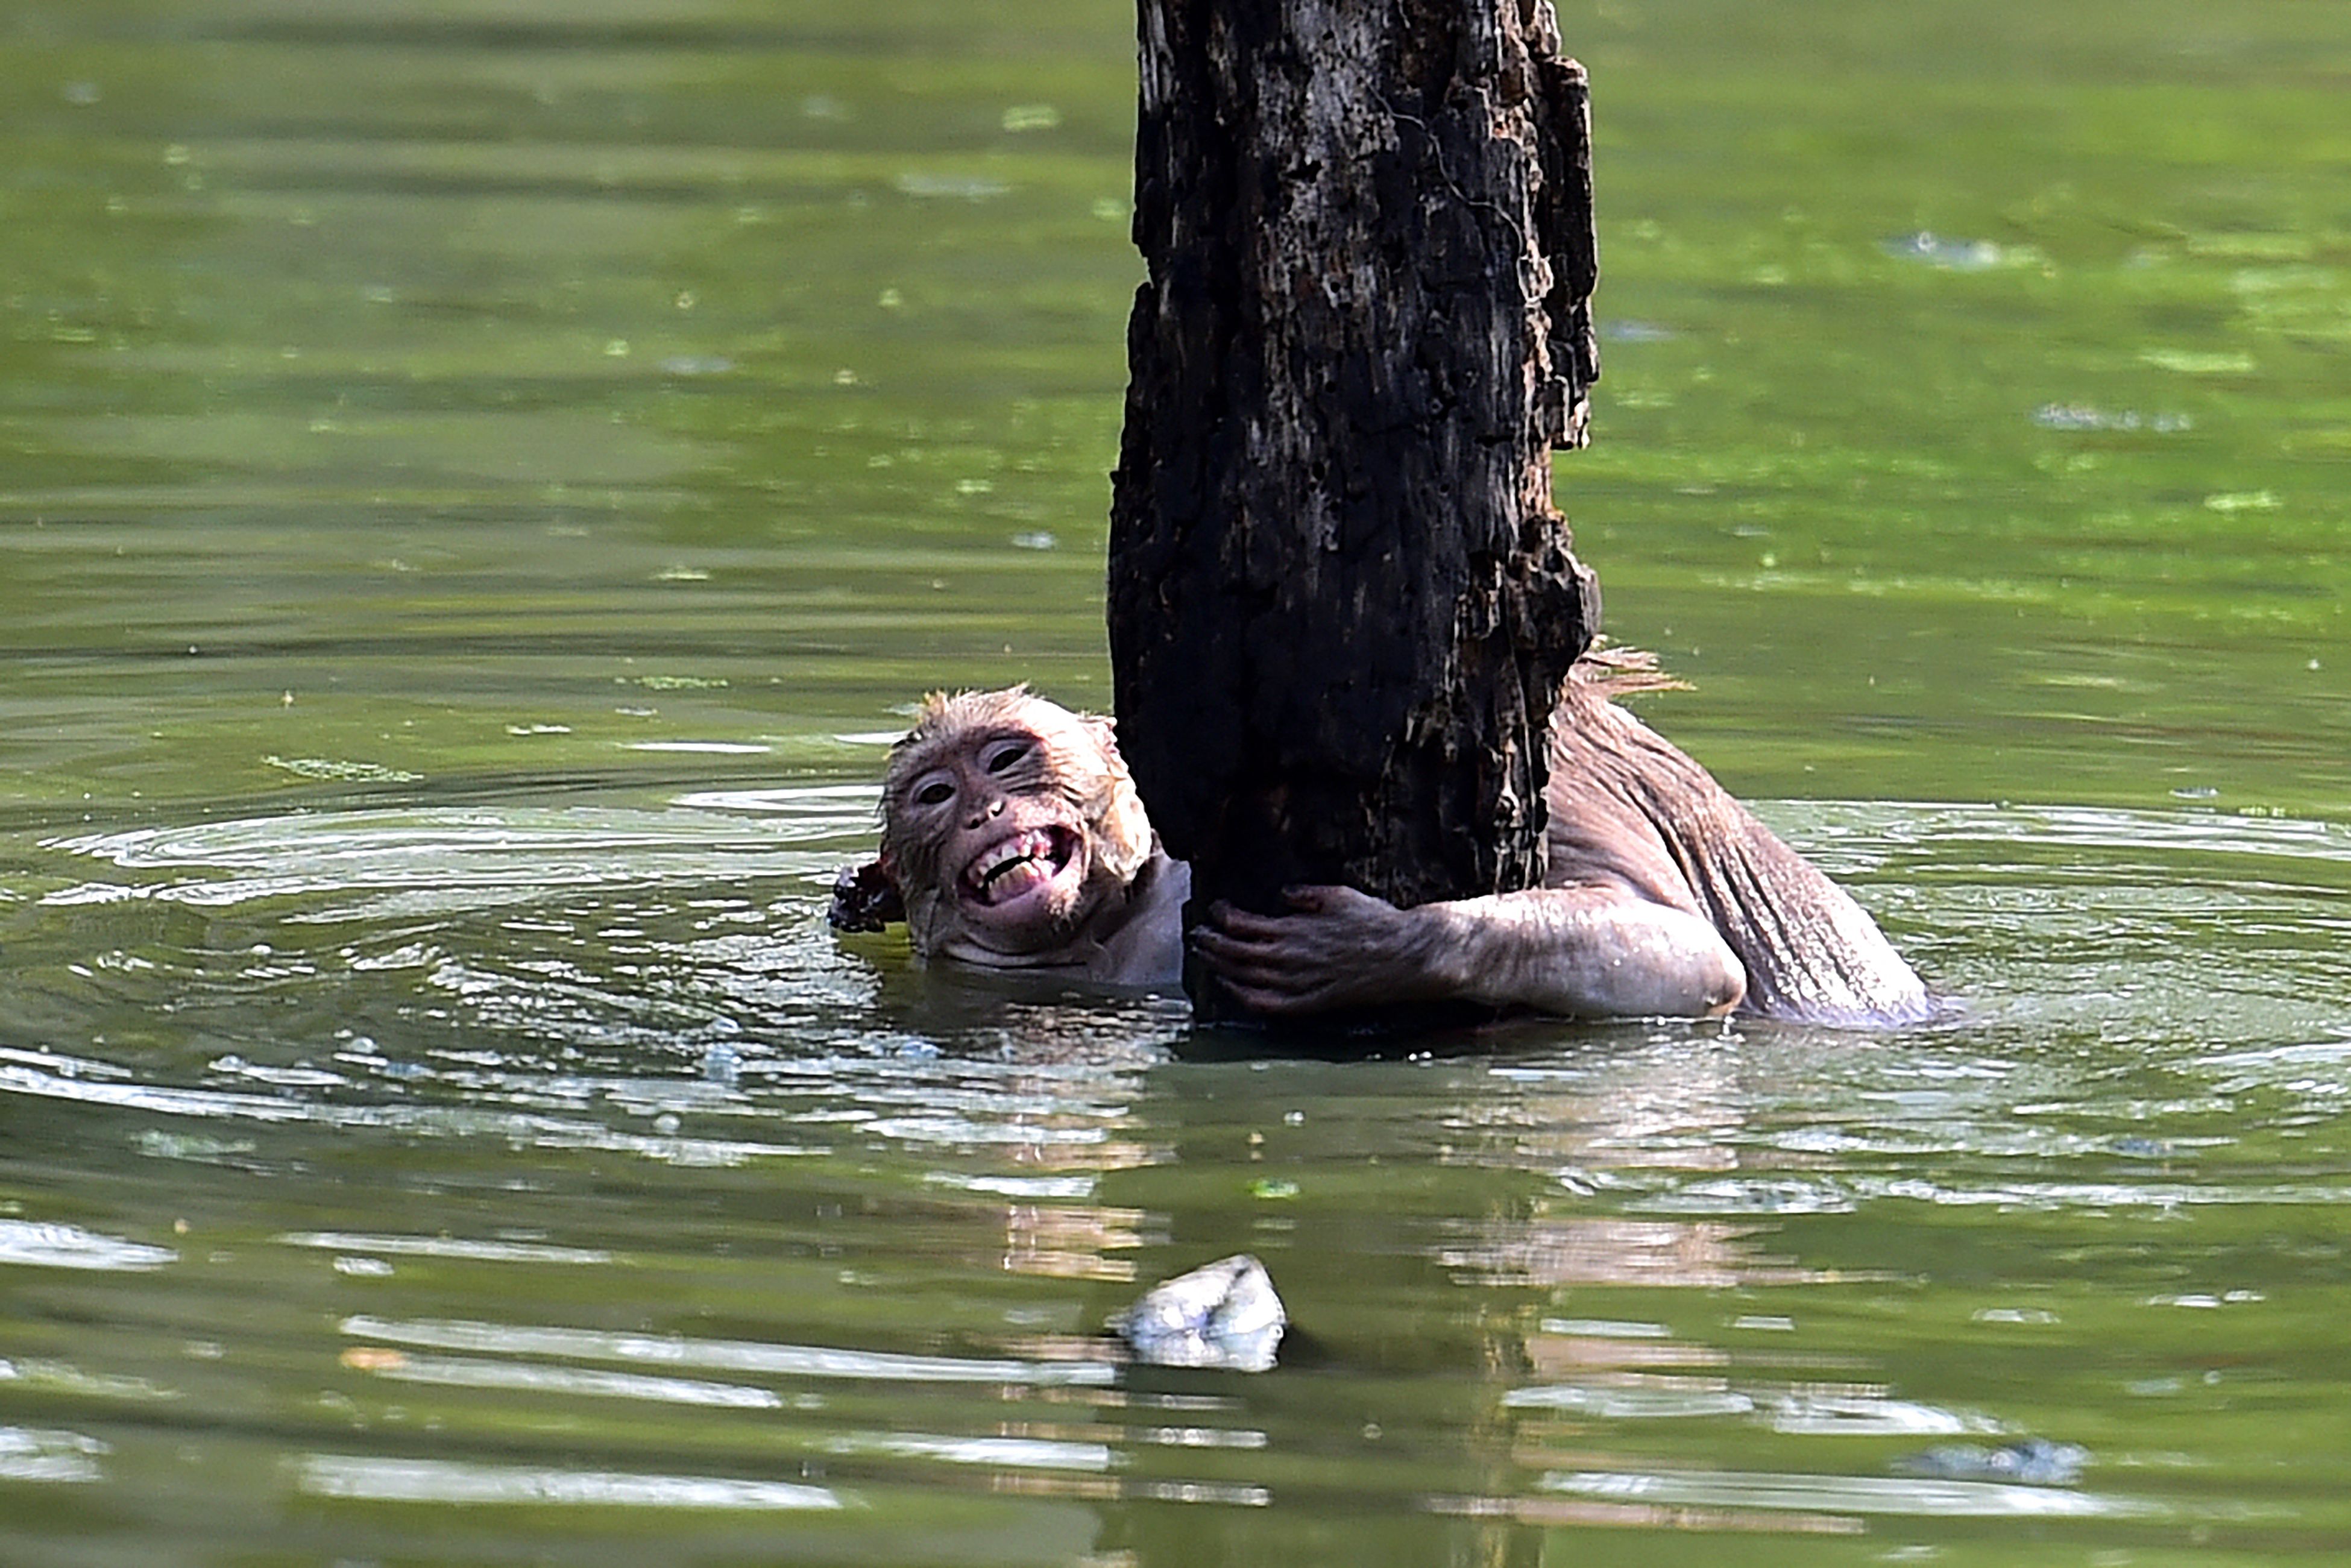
<point x="485" y="480"/>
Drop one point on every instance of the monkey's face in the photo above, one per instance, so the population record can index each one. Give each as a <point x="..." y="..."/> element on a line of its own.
<point x="1010" y="827"/>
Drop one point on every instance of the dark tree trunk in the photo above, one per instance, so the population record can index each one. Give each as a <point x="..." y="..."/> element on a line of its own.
<point x="1340" y="601"/>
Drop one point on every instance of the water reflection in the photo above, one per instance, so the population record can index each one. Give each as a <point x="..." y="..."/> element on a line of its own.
<point x="1741" y="1490"/>
<point x="383" y="1480"/>
<point x="446" y="1247"/>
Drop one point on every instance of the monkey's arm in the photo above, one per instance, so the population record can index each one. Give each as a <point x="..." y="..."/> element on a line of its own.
<point x="1578" y="952"/>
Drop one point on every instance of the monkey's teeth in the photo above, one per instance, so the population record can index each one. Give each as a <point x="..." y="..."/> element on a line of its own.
<point x="1017" y="878"/>
<point x="1012" y="867"/>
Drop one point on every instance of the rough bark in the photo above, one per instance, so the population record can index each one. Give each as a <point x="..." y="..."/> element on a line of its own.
<point x="1341" y="599"/>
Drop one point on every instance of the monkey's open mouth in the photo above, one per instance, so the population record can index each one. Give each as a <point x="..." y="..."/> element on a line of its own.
<point x="1022" y="864"/>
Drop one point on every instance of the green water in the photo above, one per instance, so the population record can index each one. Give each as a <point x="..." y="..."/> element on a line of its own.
<point x="482" y="478"/>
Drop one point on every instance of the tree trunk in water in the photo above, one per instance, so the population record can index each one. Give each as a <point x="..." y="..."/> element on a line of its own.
<point x="1341" y="600"/>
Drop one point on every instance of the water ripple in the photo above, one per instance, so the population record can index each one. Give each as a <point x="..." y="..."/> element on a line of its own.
<point x="456" y="857"/>
<point x="1631" y="1404"/>
<point x="375" y="1479"/>
<point x="1014" y="1453"/>
<point x="732" y="1355"/>
<point x="445" y="1247"/>
<point x="521" y="1128"/>
<point x="70" y="1247"/>
<point x="32" y="1454"/>
<point x="1870" y="1415"/>
<point x="1914" y="1496"/>
<point x="453" y="1372"/>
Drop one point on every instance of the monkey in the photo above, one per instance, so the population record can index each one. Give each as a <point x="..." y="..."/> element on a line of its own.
<point x="1014" y="838"/>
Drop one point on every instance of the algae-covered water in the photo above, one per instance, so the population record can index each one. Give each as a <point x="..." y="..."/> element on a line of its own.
<point x="483" y="480"/>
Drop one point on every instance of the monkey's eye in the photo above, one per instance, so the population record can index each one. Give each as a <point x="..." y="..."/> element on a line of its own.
<point x="1003" y="757"/>
<point x="932" y="792"/>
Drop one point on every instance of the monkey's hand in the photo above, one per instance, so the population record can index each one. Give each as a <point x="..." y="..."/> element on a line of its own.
<point x="1336" y="948"/>
<point x="865" y="898"/>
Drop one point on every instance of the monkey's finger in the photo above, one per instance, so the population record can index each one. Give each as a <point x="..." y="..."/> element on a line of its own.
<point x="1223" y="953"/>
<point x="1275" y="971"/>
<point x="1279" y="941"/>
<point x="1291" y="961"/>
<point x="1227" y="955"/>
<point x="1245" y="922"/>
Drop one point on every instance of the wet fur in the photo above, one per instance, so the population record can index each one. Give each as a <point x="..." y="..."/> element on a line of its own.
<point x="1626" y="805"/>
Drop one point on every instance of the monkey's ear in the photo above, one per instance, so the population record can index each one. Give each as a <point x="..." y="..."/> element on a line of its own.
<point x="1103" y="732"/>
<point x="865" y="898"/>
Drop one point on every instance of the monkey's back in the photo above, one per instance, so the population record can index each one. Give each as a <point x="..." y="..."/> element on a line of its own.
<point x="1629" y="809"/>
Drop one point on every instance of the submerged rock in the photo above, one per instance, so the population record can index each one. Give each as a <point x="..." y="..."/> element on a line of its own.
<point x="1223" y="1315"/>
<point x="2029" y="1462"/>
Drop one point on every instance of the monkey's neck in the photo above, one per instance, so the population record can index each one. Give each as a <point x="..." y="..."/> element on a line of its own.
<point x="1138" y="939"/>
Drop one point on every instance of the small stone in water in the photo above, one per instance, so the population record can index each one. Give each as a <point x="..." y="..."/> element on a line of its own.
<point x="2029" y="1462"/>
<point x="1223" y="1315"/>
